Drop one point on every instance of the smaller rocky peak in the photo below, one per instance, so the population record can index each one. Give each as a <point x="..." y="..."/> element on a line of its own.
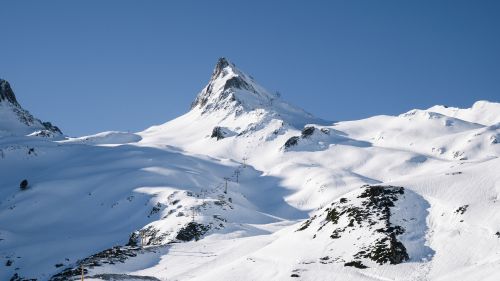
<point x="6" y="93"/>
<point x="18" y="121"/>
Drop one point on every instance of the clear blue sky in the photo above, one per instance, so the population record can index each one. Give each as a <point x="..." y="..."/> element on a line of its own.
<point x="90" y="66"/>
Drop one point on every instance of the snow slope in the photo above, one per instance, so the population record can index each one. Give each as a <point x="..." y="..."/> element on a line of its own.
<point x="112" y="137"/>
<point x="482" y="112"/>
<point x="245" y="186"/>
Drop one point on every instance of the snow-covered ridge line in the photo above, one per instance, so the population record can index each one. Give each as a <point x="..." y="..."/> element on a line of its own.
<point x="247" y="187"/>
<point x="482" y="112"/>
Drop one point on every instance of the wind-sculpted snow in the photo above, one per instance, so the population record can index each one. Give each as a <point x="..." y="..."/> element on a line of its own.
<point x="427" y="133"/>
<point x="481" y="112"/>
<point x="115" y="192"/>
<point x="248" y="187"/>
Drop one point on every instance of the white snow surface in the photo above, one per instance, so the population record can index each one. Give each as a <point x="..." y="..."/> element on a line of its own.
<point x="91" y="193"/>
<point x="482" y="112"/>
<point x="111" y="137"/>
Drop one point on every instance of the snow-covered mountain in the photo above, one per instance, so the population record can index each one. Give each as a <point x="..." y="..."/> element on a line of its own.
<point x="245" y="186"/>
<point x="482" y="112"/>
<point x="14" y="120"/>
<point x="233" y="110"/>
<point x="231" y="93"/>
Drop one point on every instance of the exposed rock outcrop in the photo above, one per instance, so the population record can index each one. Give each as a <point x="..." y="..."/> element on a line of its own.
<point x="217" y="133"/>
<point x="18" y="121"/>
<point x="364" y="222"/>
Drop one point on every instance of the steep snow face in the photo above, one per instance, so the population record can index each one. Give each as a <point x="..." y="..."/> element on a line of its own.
<point x="111" y="137"/>
<point x="482" y="112"/>
<point x="14" y="120"/>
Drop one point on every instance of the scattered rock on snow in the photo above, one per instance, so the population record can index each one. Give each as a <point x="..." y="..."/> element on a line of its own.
<point x="369" y="211"/>
<point x="307" y="131"/>
<point x="462" y="209"/>
<point x="291" y="142"/>
<point x="117" y="254"/>
<point x="217" y="133"/>
<point x="192" y="231"/>
<point x="356" y="264"/>
<point x="221" y="132"/>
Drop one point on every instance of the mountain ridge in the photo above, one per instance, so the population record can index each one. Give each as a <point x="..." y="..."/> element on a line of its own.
<point x="482" y="112"/>
<point x="216" y="194"/>
<point x="15" y="120"/>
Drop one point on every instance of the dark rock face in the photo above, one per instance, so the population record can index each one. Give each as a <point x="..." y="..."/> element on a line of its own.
<point x="388" y="249"/>
<point x="221" y="64"/>
<point x="23" y="185"/>
<point x="49" y="127"/>
<point x="212" y="98"/>
<point x="202" y="99"/>
<point x="307" y="131"/>
<point x="356" y="264"/>
<point x="306" y="224"/>
<point x="325" y="131"/>
<point x="148" y="236"/>
<point x="291" y="142"/>
<point x="6" y="93"/>
<point x="217" y="133"/>
<point x="237" y="83"/>
<point x="192" y="231"/>
<point x="461" y="210"/>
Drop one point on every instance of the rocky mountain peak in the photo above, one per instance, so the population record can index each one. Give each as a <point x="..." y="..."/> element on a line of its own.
<point x="6" y="93"/>
<point x="231" y="91"/>
<point x="221" y="64"/>
<point x="225" y="82"/>
<point x="15" y="120"/>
